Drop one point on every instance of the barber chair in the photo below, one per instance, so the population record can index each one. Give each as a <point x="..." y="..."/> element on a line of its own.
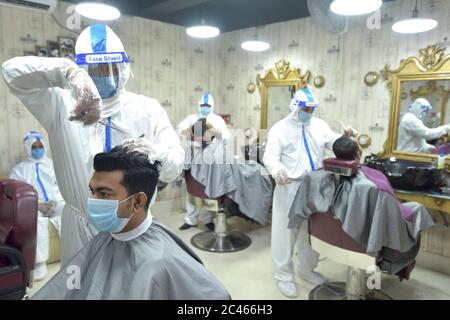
<point x="18" y="225"/>
<point x="221" y="239"/>
<point x="330" y="240"/>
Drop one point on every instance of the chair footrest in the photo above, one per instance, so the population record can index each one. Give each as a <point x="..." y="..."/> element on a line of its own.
<point x="229" y="241"/>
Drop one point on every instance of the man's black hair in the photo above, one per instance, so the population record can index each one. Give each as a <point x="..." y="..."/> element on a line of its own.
<point x="139" y="175"/>
<point x="199" y="129"/>
<point x="345" y="148"/>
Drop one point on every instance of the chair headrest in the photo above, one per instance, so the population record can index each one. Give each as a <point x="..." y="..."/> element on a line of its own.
<point x="341" y="167"/>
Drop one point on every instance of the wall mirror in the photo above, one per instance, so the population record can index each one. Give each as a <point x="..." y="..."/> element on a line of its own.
<point x="426" y="76"/>
<point x="276" y="88"/>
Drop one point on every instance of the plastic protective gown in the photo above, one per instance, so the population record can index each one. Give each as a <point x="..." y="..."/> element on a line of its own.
<point x="216" y="121"/>
<point x="41" y="85"/>
<point x="412" y="134"/>
<point x="41" y="175"/>
<point x="146" y="263"/>
<point x="286" y="149"/>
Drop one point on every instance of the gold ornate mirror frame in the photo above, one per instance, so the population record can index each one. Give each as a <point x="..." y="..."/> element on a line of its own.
<point x="280" y="76"/>
<point x="432" y="64"/>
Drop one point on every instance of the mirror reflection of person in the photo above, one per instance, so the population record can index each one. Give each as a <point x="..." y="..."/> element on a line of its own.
<point x="413" y="133"/>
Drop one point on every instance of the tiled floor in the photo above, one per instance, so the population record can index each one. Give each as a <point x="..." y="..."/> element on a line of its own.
<point x="248" y="274"/>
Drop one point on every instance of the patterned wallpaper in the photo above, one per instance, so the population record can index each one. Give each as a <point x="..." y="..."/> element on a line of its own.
<point x="343" y="59"/>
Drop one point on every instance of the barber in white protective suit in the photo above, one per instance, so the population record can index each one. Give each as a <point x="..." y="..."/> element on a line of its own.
<point x="37" y="170"/>
<point x="296" y="145"/>
<point x="413" y="134"/>
<point x="205" y="110"/>
<point x="56" y="89"/>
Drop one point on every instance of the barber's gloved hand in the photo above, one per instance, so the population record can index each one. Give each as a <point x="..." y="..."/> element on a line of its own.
<point x="447" y="129"/>
<point x="186" y="133"/>
<point x="45" y="208"/>
<point x="350" y="131"/>
<point x="84" y="91"/>
<point x="282" y="177"/>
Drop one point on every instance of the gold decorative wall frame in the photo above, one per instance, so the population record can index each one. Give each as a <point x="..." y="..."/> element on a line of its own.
<point x="282" y="75"/>
<point x="431" y="64"/>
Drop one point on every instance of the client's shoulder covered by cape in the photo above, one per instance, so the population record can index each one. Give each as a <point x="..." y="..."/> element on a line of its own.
<point x="370" y="215"/>
<point x="155" y="265"/>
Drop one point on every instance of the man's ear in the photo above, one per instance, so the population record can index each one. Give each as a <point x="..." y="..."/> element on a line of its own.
<point x="141" y="200"/>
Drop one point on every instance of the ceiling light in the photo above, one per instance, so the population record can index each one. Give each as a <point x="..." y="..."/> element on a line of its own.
<point x="355" y="7"/>
<point x="97" y="11"/>
<point x="255" y="45"/>
<point x="415" y="24"/>
<point x="203" y="32"/>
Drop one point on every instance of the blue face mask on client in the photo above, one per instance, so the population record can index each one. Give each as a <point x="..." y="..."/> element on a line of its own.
<point x="106" y="86"/>
<point x="104" y="216"/>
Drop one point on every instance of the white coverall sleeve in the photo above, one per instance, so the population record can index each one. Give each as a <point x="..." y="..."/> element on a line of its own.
<point x="35" y="81"/>
<point x="419" y="130"/>
<point x="272" y="154"/>
<point x="167" y="144"/>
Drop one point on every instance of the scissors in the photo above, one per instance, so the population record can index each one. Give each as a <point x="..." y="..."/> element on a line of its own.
<point x="113" y="127"/>
<point x="84" y="112"/>
<point x="345" y="128"/>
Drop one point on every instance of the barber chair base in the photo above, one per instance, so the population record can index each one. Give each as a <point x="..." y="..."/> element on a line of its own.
<point x="336" y="291"/>
<point x="229" y="241"/>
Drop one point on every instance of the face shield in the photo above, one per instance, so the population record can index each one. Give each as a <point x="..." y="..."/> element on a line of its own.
<point x="100" y="52"/>
<point x="421" y="108"/>
<point x="105" y="75"/>
<point x="304" y="107"/>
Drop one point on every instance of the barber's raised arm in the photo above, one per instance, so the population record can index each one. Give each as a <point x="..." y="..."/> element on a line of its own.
<point x="419" y="130"/>
<point x="38" y="81"/>
<point x="167" y="144"/>
<point x="330" y="136"/>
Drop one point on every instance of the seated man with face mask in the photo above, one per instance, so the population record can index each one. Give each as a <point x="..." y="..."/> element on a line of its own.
<point x="365" y="204"/>
<point x="134" y="256"/>
<point x="37" y="170"/>
<point x="413" y="133"/>
<point x="214" y="166"/>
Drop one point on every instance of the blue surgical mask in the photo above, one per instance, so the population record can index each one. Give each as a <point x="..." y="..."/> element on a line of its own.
<point x="204" y="111"/>
<point x="104" y="216"/>
<point x="304" y="117"/>
<point x="38" y="153"/>
<point x="106" y="86"/>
